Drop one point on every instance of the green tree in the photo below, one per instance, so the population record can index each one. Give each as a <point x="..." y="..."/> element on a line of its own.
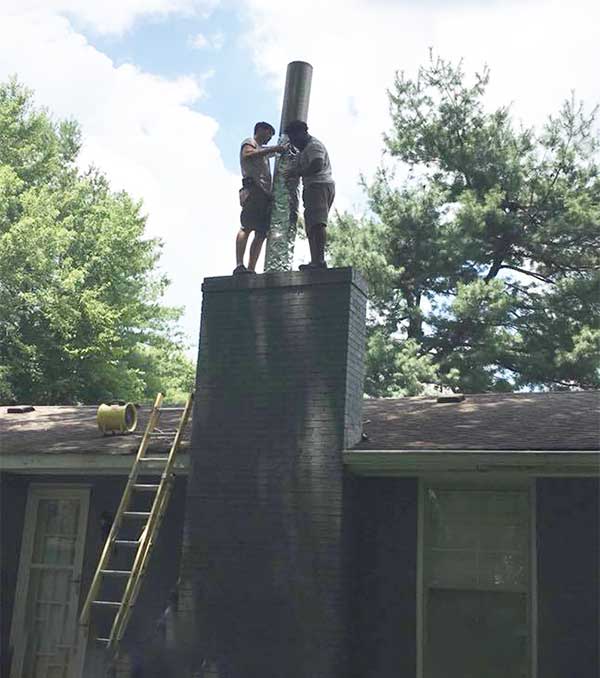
<point x="483" y="260"/>
<point x="80" y="312"/>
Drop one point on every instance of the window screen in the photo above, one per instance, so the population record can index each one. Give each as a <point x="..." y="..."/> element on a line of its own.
<point x="476" y="581"/>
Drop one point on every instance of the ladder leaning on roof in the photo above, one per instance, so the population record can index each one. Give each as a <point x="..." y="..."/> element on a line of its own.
<point x="142" y="546"/>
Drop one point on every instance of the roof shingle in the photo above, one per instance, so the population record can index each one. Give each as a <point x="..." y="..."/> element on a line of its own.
<point x="495" y="421"/>
<point x="512" y="421"/>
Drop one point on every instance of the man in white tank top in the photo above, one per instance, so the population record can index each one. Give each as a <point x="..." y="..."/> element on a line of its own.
<point x="255" y="194"/>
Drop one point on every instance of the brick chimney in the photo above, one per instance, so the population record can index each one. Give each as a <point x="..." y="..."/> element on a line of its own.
<point x="278" y="397"/>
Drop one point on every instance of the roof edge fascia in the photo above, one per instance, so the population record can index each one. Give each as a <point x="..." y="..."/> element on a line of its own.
<point x="415" y="462"/>
<point x="77" y="464"/>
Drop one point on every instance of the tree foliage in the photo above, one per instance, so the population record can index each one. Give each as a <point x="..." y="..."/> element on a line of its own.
<point x="80" y="312"/>
<point x="483" y="262"/>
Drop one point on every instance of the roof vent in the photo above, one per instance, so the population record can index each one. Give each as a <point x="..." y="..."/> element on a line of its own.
<point x="21" y="409"/>
<point x="450" y="398"/>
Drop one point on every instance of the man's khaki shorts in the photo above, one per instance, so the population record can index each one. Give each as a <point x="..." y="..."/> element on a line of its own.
<point x="256" y="210"/>
<point x="317" y="199"/>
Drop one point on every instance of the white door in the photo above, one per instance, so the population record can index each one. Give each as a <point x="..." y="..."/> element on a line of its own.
<point x="45" y="635"/>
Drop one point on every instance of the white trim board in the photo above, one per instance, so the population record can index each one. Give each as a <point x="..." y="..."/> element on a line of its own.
<point x="80" y="464"/>
<point x="359" y="462"/>
<point x="415" y="462"/>
<point x="533" y="573"/>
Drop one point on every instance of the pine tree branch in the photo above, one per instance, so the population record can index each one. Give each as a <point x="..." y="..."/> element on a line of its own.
<point x="537" y="276"/>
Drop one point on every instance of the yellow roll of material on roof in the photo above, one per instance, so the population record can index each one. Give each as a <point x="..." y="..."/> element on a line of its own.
<point x="117" y="418"/>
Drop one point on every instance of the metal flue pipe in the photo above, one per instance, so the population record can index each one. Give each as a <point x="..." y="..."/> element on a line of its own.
<point x="296" y="95"/>
<point x="284" y="217"/>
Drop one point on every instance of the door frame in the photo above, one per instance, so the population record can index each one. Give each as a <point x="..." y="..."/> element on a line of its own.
<point x="37" y="491"/>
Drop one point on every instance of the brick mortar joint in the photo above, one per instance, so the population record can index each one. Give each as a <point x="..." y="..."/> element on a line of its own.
<point x="359" y="286"/>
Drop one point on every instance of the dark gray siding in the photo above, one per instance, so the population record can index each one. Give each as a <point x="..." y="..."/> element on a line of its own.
<point x="568" y="572"/>
<point x="383" y="611"/>
<point x="13" y="497"/>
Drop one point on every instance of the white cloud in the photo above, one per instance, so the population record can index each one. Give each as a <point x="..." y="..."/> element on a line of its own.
<point x="141" y="131"/>
<point x="200" y="41"/>
<point x="538" y="51"/>
<point x="109" y="16"/>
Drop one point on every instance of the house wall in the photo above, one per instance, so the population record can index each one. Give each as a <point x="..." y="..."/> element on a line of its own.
<point x="380" y="599"/>
<point x="383" y="613"/>
<point x="105" y="494"/>
<point x="383" y="585"/>
<point x="568" y="567"/>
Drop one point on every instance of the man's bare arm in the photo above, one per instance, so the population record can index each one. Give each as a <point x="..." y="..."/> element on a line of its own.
<point x="251" y="152"/>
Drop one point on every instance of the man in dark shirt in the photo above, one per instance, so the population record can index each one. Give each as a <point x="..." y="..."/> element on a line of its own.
<point x="312" y="164"/>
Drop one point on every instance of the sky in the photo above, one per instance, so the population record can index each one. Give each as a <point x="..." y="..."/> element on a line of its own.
<point x="165" y="90"/>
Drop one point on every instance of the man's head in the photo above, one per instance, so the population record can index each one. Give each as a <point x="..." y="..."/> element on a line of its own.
<point x="297" y="131"/>
<point x="263" y="132"/>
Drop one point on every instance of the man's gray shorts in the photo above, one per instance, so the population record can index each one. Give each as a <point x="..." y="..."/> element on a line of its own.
<point x="317" y="198"/>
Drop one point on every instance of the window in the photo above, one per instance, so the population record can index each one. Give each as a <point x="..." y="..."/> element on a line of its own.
<point x="476" y="583"/>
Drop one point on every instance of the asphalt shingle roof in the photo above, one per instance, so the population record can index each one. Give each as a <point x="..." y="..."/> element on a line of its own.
<point x="498" y="421"/>
<point x="71" y="429"/>
<point x="523" y="421"/>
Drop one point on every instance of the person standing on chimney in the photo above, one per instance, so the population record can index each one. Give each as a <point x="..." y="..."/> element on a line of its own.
<point x="313" y="165"/>
<point x="255" y="195"/>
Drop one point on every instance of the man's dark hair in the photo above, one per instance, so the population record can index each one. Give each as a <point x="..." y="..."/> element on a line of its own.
<point x="264" y="125"/>
<point x="296" y="126"/>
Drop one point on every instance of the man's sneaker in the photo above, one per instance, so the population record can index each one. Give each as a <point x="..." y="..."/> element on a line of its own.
<point x="312" y="266"/>
<point x="240" y="270"/>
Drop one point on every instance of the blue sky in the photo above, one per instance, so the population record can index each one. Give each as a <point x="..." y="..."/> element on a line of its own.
<point x="237" y="96"/>
<point x="163" y="120"/>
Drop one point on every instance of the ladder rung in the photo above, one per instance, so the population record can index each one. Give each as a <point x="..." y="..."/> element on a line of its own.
<point x="116" y="573"/>
<point x="126" y="542"/>
<point x="103" y="640"/>
<point x="153" y="458"/>
<point x="145" y="488"/>
<point x="172" y="409"/>
<point x="107" y="603"/>
<point x="163" y="434"/>
<point x="136" y="514"/>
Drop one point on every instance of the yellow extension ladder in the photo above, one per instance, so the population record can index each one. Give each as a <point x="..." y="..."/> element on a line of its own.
<point x="141" y="547"/>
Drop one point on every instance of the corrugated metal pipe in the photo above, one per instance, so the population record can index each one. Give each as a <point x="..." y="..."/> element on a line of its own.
<point x="284" y="217"/>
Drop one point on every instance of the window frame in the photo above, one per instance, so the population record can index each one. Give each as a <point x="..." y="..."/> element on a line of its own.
<point x="458" y="482"/>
